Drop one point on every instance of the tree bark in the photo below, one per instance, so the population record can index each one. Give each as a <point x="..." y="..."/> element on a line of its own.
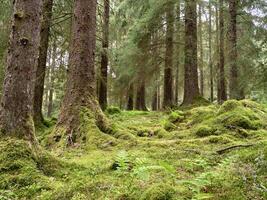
<point x="41" y="67"/>
<point x="168" y="79"/>
<point x="191" y="89"/>
<point x="222" y="95"/>
<point x="80" y="107"/>
<point x="233" y="82"/>
<point x="16" y="109"/>
<point x="104" y="58"/>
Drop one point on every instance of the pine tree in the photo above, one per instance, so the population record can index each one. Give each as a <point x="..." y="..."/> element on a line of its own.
<point x="191" y="89"/>
<point x="16" y="111"/>
<point x="41" y="67"/>
<point x="103" y="84"/>
<point x="80" y="89"/>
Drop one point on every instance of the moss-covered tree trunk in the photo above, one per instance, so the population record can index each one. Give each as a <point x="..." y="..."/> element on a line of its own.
<point x="222" y="95"/>
<point x="41" y="67"/>
<point x="191" y="89"/>
<point x="103" y="83"/>
<point x="80" y="96"/>
<point x="233" y="81"/>
<point x="16" y="108"/>
<point x="168" y="71"/>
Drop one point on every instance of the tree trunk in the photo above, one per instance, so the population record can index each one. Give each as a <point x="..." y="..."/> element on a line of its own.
<point x="51" y="81"/>
<point x="210" y="56"/>
<point x="233" y="82"/>
<point x="41" y="67"/>
<point x="178" y="27"/>
<point x="201" y="63"/>
<point x="130" y="101"/>
<point x="222" y="95"/>
<point x="16" y="109"/>
<point x="154" y="105"/>
<point x="80" y="108"/>
<point x="168" y="79"/>
<point x="104" y="58"/>
<point x="140" y="103"/>
<point x="191" y="89"/>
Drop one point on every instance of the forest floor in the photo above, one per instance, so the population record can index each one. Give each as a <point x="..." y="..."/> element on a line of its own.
<point x="206" y="152"/>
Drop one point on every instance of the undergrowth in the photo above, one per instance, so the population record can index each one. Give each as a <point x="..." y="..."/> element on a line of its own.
<point x="149" y="155"/>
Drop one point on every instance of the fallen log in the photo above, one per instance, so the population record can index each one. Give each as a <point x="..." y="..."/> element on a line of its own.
<point x="222" y="151"/>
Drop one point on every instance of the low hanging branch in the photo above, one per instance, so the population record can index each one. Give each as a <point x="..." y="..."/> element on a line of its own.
<point x="222" y="151"/>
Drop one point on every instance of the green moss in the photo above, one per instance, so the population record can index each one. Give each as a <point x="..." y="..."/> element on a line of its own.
<point x="176" y="116"/>
<point x="169" y="126"/>
<point x="22" y="171"/>
<point x="234" y="120"/>
<point x="204" y="130"/>
<point x="229" y="106"/>
<point x="159" y="192"/>
<point x="112" y="110"/>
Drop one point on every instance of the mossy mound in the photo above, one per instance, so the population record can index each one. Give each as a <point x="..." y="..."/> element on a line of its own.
<point x="159" y="192"/>
<point x="22" y="171"/>
<point x="232" y="117"/>
<point x="204" y="130"/>
<point x="112" y="110"/>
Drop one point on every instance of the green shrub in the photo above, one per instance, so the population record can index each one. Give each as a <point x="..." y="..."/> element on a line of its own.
<point x="159" y="192"/>
<point x="113" y="110"/>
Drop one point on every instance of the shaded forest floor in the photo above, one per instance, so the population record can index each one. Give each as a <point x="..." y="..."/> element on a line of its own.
<point x="207" y="152"/>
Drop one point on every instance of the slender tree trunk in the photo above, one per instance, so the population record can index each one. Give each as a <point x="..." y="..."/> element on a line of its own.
<point x="222" y="95"/>
<point x="130" y="102"/>
<point x="233" y="82"/>
<point x="201" y="63"/>
<point x="51" y="81"/>
<point x="191" y="89"/>
<point x="41" y="67"/>
<point x="80" y="106"/>
<point x="16" y="108"/>
<point x="104" y="58"/>
<point x="210" y="56"/>
<point x="168" y="79"/>
<point x="178" y="49"/>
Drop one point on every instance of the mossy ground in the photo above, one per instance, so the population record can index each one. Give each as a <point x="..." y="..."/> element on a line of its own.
<point x="151" y="155"/>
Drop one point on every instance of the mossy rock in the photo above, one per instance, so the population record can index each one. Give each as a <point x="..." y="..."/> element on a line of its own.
<point x="204" y="131"/>
<point x="113" y="110"/>
<point x="159" y="192"/>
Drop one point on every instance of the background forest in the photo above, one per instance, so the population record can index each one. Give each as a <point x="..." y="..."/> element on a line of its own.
<point x="133" y="99"/>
